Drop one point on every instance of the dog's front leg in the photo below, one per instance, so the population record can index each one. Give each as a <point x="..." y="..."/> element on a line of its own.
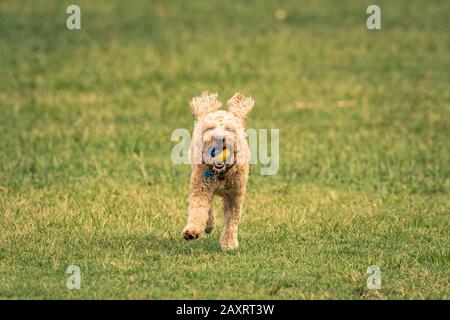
<point x="232" y="207"/>
<point x="200" y="202"/>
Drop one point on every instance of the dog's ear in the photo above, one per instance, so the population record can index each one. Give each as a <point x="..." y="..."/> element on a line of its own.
<point x="204" y="104"/>
<point x="240" y="105"/>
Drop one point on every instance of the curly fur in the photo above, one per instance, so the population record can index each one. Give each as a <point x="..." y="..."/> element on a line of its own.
<point x="205" y="104"/>
<point x="231" y="187"/>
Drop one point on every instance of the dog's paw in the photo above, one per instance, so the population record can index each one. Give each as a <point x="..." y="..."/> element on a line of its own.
<point x="191" y="232"/>
<point x="229" y="244"/>
<point x="209" y="227"/>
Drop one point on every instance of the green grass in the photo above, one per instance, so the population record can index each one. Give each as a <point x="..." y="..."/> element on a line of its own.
<point x="85" y="170"/>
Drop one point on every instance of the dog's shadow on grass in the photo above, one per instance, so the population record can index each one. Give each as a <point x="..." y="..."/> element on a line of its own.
<point x="166" y="245"/>
<point x="178" y="246"/>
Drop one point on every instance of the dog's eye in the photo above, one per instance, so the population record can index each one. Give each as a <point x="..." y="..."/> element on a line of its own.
<point x="207" y="130"/>
<point x="231" y="130"/>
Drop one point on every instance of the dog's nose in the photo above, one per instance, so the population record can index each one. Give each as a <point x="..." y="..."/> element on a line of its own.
<point x="220" y="139"/>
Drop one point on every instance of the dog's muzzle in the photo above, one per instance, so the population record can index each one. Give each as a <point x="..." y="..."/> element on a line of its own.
<point x="219" y="157"/>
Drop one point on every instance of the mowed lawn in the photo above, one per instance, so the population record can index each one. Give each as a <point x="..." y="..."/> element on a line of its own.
<point x="86" y="177"/>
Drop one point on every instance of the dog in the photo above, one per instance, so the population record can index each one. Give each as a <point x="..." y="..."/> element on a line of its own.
<point x="219" y="156"/>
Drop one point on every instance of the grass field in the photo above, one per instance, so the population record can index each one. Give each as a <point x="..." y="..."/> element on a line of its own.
<point x="85" y="170"/>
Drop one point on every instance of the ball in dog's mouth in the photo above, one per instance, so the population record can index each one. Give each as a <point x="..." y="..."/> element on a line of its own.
<point x="219" y="157"/>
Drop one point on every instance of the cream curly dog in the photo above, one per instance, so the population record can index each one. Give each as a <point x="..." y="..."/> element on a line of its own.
<point x="219" y="155"/>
